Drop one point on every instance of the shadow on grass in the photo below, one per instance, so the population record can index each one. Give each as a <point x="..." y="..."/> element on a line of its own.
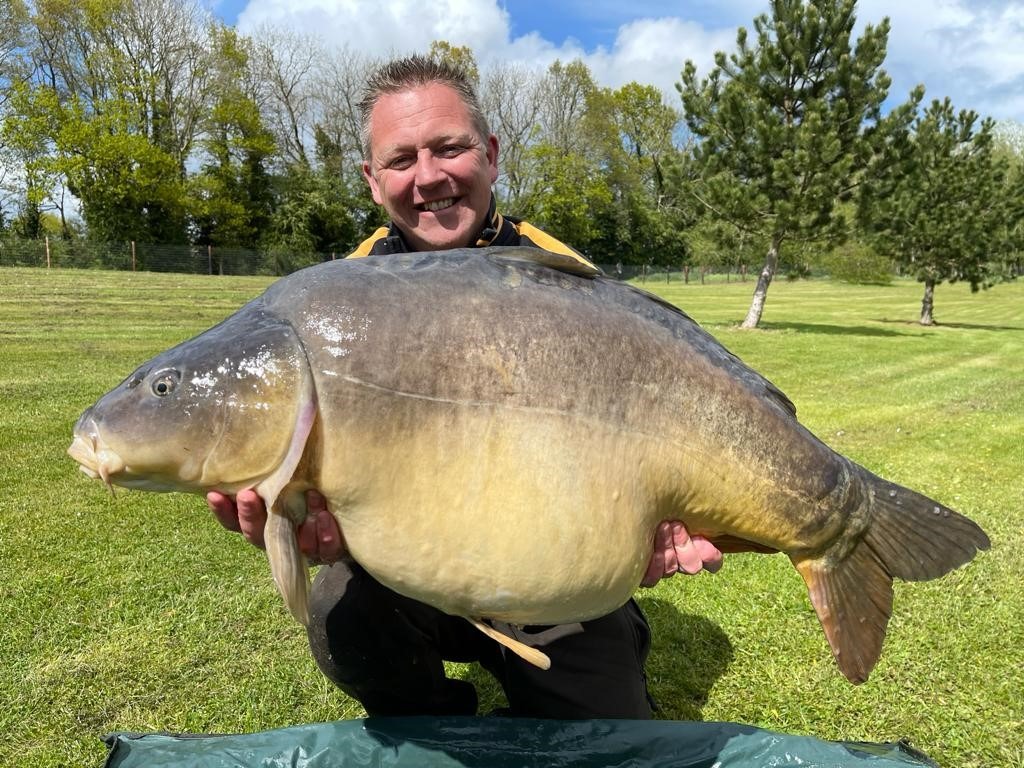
<point x="688" y="655"/>
<point x="831" y="330"/>
<point x="961" y="326"/>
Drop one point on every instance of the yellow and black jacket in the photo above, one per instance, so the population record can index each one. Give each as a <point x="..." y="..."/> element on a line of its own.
<point x="499" y="230"/>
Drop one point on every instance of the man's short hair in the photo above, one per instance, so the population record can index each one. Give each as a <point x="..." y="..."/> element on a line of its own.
<point x="412" y="72"/>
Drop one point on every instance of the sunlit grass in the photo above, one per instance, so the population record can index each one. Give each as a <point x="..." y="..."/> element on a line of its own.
<point x="140" y="613"/>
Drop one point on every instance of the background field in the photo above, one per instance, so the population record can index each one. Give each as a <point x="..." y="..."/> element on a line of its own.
<point x="140" y="613"/>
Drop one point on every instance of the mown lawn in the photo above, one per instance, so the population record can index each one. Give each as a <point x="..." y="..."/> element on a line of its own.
<point x="139" y="613"/>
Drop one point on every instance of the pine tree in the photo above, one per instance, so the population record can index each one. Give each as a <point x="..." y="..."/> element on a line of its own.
<point x="943" y="208"/>
<point x="781" y="126"/>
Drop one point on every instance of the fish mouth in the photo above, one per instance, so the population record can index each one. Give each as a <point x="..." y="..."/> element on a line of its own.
<point x="94" y="456"/>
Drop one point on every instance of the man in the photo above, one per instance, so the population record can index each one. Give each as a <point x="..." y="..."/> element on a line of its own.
<point x="430" y="162"/>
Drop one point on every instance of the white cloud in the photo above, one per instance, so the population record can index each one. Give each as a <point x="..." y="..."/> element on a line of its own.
<point x="389" y="26"/>
<point x="653" y="52"/>
<point x="970" y="50"/>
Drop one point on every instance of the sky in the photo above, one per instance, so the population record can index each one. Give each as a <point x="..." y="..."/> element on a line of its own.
<point x="969" y="50"/>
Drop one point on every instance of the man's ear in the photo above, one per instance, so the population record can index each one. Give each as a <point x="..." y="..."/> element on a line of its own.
<point x="372" y="181"/>
<point x="492" y="156"/>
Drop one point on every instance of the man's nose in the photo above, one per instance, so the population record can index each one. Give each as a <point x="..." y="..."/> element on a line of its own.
<point x="428" y="170"/>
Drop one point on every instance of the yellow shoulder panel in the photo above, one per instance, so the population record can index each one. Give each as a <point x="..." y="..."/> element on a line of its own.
<point x="367" y="245"/>
<point x="542" y="239"/>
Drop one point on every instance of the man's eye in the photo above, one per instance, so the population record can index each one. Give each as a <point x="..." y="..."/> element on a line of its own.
<point x="452" y="150"/>
<point x="400" y="163"/>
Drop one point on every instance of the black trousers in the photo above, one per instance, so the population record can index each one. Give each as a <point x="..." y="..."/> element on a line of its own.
<point x="387" y="650"/>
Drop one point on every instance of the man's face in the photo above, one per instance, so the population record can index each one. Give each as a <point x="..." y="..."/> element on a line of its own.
<point x="429" y="168"/>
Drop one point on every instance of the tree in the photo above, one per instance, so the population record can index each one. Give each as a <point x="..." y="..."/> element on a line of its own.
<point x="459" y="56"/>
<point x="567" y="195"/>
<point x="285" y="63"/>
<point x="634" y="129"/>
<point x="563" y="94"/>
<point x="231" y="199"/>
<point x="781" y="125"/>
<point x="943" y="209"/>
<point x="510" y="100"/>
<point x="14" y="69"/>
<point x="112" y="110"/>
<point x="13" y="40"/>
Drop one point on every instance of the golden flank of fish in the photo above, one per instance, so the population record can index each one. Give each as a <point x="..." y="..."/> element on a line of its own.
<point x="523" y="424"/>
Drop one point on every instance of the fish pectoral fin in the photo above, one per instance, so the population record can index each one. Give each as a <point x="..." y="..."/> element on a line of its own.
<point x="288" y="565"/>
<point x="853" y="600"/>
<point x="525" y="652"/>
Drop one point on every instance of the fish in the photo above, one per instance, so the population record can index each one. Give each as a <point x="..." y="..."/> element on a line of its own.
<point x="517" y="424"/>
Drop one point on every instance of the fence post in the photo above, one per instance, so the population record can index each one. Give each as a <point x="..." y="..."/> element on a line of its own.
<point x="47" y="238"/>
<point x="209" y="257"/>
<point x="133" y="255"/>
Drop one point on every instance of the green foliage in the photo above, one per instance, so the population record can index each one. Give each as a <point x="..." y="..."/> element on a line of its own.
<point x="568" y="197"/>
<point x="170" y="128"/>
<point x="231" y="195"/>
<point x="858" y="262"/>
<point x="940" y="206"/>
<point x="460" y="56"/>
<point x="314" y="214"/>
<point x="780" y="123"/>
<point x="14" y="35"/>
<point x="631" y="130"/>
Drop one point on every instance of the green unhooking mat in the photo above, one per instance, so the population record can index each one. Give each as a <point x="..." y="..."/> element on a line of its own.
<point x="477" y="742"/>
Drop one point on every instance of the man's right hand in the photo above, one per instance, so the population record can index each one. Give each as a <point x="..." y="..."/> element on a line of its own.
<point x="319" y="536"/>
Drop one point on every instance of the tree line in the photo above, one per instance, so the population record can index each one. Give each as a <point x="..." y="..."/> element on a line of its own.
<point x="162" y="125"/>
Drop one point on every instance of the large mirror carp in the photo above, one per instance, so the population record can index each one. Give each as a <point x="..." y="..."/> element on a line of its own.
<point x="517" y="425"/>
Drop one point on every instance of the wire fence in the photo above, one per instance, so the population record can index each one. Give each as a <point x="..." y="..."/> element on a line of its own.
<point x="220" y="260"/>
<point x="140" y="257"/>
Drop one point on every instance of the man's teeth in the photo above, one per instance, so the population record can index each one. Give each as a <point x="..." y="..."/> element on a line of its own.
<point x="438" y="205"/>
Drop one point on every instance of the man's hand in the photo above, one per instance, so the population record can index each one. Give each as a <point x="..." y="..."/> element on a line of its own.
<point x="319" y="537"/>
<point x="676" y="552"/>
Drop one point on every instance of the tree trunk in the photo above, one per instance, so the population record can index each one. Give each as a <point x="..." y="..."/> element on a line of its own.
<point x="928" y="303"/>
<point x="771" y="261"/>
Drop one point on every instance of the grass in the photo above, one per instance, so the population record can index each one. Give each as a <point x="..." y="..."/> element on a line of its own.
<point x="140" y="613"/>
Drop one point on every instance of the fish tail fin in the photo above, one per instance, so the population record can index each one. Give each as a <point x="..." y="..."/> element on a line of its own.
<point x="907" y="536"/>
<point x="916" y="537"/>
<point x="287" y="563"/>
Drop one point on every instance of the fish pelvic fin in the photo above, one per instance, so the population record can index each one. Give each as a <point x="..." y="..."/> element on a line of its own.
<point x="523" y="651"/>
<point x="288" y="565"/>
<point x="905" y="535"/>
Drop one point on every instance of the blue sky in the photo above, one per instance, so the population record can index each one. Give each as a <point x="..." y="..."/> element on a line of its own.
<point x="969" y="50"/>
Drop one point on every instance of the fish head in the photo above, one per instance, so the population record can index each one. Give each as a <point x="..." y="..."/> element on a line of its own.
<point x="216" y="412"/>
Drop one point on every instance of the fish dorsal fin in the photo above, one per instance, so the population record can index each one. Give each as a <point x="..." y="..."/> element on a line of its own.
<point x="526" y="255"/>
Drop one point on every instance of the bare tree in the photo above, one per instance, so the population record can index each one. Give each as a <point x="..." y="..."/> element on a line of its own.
<point x="511" y="100"/>
<point x="563" y="103"/>
<point x="336" y="88"/>
<point x="287" y="63"/>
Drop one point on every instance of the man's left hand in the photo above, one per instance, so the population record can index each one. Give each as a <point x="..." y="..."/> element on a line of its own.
<point x="675" y="551"/>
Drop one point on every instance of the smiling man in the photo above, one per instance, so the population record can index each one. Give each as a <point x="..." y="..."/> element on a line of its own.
<point x="430" y="161"/>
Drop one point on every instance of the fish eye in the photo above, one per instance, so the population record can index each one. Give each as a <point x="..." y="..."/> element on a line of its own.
<point x="165" y="382"/>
